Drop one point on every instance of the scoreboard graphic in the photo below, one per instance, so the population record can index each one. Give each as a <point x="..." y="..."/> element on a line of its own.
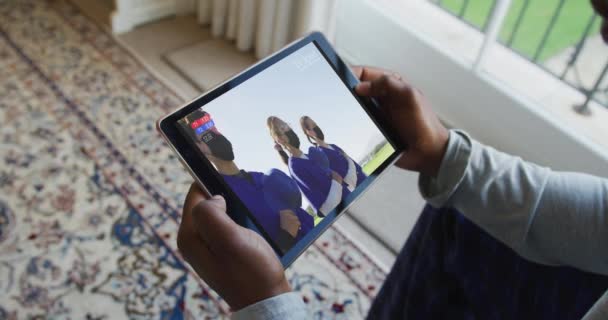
<point x="202" y="124"/>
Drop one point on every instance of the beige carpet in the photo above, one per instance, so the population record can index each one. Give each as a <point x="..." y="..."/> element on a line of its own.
<point x="90" y="196"/>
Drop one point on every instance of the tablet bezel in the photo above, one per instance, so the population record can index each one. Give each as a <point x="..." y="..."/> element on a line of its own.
<point x="212" y="183"/>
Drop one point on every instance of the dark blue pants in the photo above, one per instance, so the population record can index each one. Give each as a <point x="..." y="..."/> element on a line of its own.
<point x="450" y="269"/>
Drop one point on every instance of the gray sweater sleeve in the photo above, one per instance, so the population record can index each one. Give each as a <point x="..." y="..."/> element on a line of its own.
<point x="284" y="306"/>
<point x="555" y="218"/>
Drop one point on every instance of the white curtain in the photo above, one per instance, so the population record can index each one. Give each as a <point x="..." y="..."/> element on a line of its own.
<point x="264" y="25"/>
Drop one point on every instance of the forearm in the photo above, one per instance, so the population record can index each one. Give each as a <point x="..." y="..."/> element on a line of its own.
<point x="546" y="216"/>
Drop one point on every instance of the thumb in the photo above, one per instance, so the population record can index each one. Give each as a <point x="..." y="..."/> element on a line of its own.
<point x="215" y="227"/>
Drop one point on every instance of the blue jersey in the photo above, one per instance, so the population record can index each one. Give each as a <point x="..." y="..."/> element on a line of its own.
<point x="338" y="162"/>
<point x="264" y="196"/>
<point x="282" y="193"/>
<point x="313" y="176"/>
<point x="249" y="188"/>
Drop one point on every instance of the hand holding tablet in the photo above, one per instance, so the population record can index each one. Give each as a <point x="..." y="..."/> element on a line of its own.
<point x="235" y="261"/>
<point x="281" y="191"/>
<point x="287" y="142"/>
<point x="263" y="256"/>
<point x="412" y="117"/>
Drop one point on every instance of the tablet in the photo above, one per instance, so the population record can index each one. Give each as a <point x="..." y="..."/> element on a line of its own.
<point x="287" y="142"/>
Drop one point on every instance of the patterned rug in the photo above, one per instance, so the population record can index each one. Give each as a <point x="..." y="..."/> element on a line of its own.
<point x="90" y="196"/>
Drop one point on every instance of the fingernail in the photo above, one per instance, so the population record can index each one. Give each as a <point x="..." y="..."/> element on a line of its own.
<point x="363" y="86"/>
<point x="217" y="197"/>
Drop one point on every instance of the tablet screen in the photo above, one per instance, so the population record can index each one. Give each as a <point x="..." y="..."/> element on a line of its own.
<point x="292" y="143"/>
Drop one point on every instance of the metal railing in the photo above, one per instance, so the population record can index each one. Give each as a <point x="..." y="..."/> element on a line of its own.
<point x="592" y="84"/>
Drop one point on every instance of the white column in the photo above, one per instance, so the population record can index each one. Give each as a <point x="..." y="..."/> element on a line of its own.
<point x="333" y="8"/>
<point x="204" y="12"/>
<point x="123" y="17"/>
<point x="282" y="24"/>
<point x="496" y="20"/>
<point x="320" y="14"/>
<point x="184" y="7"/>
<point x="245" y="34"/>
<point x="266" y="26"/>
<point x="218" y="19"/>
<point x="233" y="18"/>
<point x="312" y="15"/>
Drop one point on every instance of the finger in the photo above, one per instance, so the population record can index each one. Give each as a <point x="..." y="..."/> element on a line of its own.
<point x="215" y="227"/>
<point x="194" y="196"/>
<point x="406" y="162"/>
<point x="357" y="70"/>
<point x="380" y="87"/>
<point x="187" y="237"/>
<point x="195" y="252"/>
<point x="189" y="241"/>
<point x="601" y="7"/>
<point x="364" y="89"/>
<point x="372" y="73"/>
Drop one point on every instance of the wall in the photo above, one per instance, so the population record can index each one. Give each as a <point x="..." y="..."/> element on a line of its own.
<point x="312" y="15"/>
<point x="490" y="111"/>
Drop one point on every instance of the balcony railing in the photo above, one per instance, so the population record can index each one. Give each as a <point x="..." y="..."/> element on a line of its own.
<point x="539" y="30"/>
